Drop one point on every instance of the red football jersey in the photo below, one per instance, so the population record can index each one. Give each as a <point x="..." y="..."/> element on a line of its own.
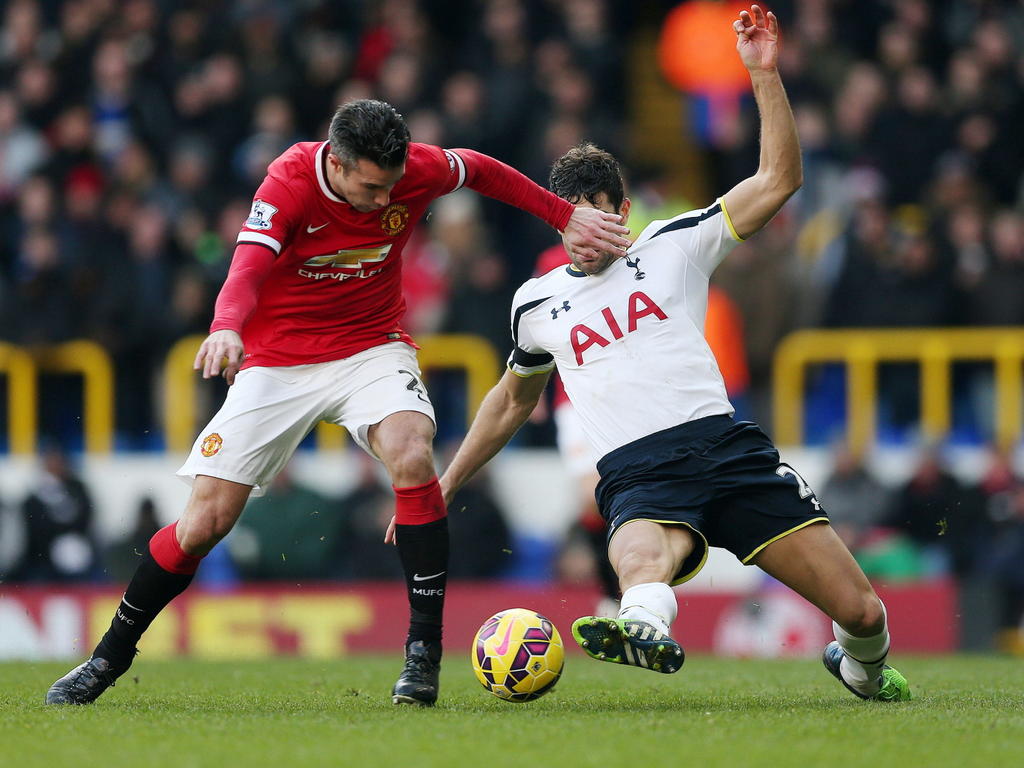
<point x="335" y="286"/>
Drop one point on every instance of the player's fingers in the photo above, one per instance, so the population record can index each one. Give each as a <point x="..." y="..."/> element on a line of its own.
<point x="229" y="373"/>
<point x="200" y="357"/>
<point x="613" y="225"/>
<point x="737" y="26"/>
<point x="216" y="355"/>
<point x="389" y="534"/>
<point x="745" y="19"/>
<point x="207" y="362"/>
<point x="773" y="23"/>
<point x="758" y="15"/>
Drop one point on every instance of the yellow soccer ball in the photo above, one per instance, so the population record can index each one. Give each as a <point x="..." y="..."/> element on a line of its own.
<point x="518" y="655"/>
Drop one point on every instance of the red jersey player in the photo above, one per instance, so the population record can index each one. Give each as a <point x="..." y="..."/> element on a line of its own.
<point x="308" y="321"/>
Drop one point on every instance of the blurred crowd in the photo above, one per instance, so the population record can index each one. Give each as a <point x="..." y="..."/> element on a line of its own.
<point x="291" y="533"/>
<point x="133" y="134"/>
<point x="933" y="525"/>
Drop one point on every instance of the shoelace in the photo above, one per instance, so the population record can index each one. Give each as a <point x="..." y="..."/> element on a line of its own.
<point x="78" y="685"/>
<point x="420" y="665"/>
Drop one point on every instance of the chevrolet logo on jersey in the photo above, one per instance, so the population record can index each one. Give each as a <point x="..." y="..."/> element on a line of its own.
<point x="354" y="262"/>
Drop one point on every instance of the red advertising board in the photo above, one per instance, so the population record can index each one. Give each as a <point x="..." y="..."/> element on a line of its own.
<point x="333" y="620"/>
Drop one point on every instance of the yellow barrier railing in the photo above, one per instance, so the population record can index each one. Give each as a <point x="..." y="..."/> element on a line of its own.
<point x="86" y="358"/>
<point x="22" y="398"/>
<point x="180" y="383"/>
<point x="934" y="349"/>
<point x="93" y="363"/>
<point x="472" y="354"/>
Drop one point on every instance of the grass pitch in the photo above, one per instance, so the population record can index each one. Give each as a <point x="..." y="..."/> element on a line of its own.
<point x="968" y="711"/>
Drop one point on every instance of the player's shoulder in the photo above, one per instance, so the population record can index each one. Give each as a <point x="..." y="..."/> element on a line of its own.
<point x="687" y="220"/>
<point x="426" y="160"/>
<point x="538" y="289"/>
<point x="298" y="160"/>
<point x="427" y="167"/>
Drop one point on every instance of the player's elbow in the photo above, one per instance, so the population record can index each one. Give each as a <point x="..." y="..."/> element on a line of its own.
<point x="777" y="187"/>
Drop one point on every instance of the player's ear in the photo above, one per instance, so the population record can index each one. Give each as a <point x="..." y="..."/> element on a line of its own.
<point x="624" y="210"/>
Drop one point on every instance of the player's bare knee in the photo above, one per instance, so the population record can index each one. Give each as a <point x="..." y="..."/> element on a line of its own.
<point x="411" y="463"/>
<point x="644" y="563"/>
<point x="863" y="616"/>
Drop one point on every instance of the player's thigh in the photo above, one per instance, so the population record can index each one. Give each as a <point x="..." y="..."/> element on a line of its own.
<point x="267" y="413"/>
<point x="814" y="562"/>
<point x="380" y="382"/>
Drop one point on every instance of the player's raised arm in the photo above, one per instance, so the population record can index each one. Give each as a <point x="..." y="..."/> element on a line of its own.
<point x="754" y="201"/>
<point x="504" y="410"/>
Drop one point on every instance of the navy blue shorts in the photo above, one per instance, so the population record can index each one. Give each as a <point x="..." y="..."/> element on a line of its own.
<point x="721" y="478"/>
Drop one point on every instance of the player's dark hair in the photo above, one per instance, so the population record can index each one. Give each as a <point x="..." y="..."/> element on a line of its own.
<point x="371" y="130"/>
<point x="584" y="172"/>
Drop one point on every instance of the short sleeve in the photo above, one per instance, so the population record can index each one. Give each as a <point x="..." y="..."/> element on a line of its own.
<point x="528" y="358"/>
<point x="273" y="217"/>
<point x="706" y="236"/>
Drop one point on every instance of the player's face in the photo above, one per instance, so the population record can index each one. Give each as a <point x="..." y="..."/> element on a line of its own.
<point x="365" y="185"/>
<point x="590" y="264"/>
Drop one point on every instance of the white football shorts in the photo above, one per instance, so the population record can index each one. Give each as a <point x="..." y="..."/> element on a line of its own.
<point x="577" y="455"/>
<point x="270" y="410"/>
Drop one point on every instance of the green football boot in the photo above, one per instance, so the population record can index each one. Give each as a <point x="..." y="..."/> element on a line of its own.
<point x="626" y="641"/>
<point x="894" y="685"/>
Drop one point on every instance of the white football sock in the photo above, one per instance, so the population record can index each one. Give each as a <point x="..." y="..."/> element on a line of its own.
<point x="865" y="656"/>
<point x="654" y="602"/>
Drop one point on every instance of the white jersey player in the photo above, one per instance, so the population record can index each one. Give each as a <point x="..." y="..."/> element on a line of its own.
<point x="678" y="474"/>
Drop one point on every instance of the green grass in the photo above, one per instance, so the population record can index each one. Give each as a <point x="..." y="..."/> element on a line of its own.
<point x="968" y="711"/>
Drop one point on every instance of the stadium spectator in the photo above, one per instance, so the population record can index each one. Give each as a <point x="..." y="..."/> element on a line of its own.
<point x="941" y="516"/>
<point x="293" y="532"/>
<point x="58" y="516"/>
<point x="855" y="500"/>
<point x="122" y="556"/>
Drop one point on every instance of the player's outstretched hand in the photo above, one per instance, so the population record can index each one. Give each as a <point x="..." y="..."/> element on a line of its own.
<point x="757" y="39"/>
<point x="217" y="347"/>
<point x="592" y="232"/>
<point x="389" y="534"/>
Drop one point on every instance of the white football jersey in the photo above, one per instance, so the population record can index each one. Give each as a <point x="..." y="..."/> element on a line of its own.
<point x="629" y="342"/>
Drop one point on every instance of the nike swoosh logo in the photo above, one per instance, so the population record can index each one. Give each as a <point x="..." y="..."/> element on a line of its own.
<point x="501" y="649"/>
<point x="417" y="577"/>
<point x="311" y="230"/>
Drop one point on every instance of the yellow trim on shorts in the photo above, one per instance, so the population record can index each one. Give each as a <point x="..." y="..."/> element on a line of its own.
<point x="784" y="534"/>
<point x="703" y="560"/>
<point x="728" y="220"/>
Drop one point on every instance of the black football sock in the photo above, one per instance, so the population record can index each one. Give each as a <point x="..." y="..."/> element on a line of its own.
<point x="149" y="591"/>
<point x="423" y="550"/>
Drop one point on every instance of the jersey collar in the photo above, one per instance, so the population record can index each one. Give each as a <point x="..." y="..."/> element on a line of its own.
<point x="320" y="162"/>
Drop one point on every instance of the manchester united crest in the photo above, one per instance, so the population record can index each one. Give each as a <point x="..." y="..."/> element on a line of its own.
<point x="394" y="219"/>
<point x="211" y="444"/>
